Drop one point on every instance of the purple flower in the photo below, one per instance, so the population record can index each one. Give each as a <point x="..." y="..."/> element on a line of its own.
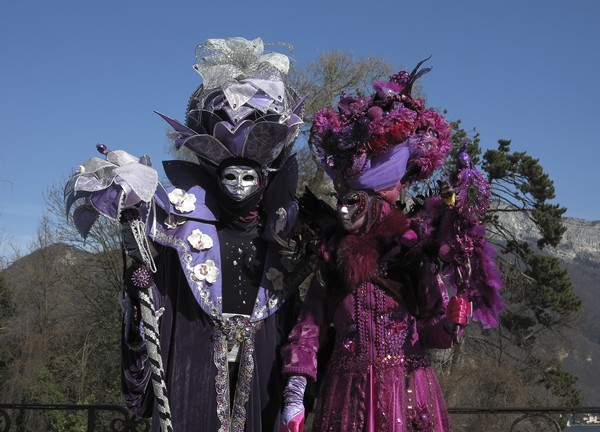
<point x="430" y="144"/>
<point x="360" y="129"/>
<point x="463" y="160"/>
<point x="367" y="127"/>
<point x="325" y="119"/>
<point x="400" y="77"/>
<point x="141" y="277"/>
<point x="351" y="107"/>
<point x="374" y="113"/>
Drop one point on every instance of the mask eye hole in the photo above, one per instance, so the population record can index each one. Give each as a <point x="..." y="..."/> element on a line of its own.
<point x="352" y="200"/>
<point x="229" y="176"/>
<point x="248" y="177"/>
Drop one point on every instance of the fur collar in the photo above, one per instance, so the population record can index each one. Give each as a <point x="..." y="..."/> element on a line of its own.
<point x="358" y="255"/>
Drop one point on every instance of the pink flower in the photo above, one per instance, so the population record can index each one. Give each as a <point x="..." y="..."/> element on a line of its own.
<point x="325" y="119"/>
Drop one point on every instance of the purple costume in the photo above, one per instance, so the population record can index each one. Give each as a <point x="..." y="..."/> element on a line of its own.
<point x="220" y="277"/>
<point x="206" y="393"/>
<point x="203" y="265"/>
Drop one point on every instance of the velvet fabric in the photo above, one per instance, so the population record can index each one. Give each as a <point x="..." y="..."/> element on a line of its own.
<point x="195" y="331"/>
<point x="187" y="348"/>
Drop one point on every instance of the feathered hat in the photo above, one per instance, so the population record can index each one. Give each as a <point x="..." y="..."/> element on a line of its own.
<point x="376" y="142"/>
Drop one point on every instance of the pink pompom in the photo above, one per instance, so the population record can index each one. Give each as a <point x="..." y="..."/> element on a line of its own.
<point x="374" y="113"/>
<point x="409" y="238"/>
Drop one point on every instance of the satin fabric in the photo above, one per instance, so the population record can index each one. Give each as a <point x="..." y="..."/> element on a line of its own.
<point x="379" y="376"/>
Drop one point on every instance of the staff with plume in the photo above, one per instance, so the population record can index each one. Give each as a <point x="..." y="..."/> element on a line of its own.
<point x="123" y="188"/>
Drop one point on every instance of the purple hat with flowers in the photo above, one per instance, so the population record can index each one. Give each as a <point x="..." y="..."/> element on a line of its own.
<point x="376" y="142"/>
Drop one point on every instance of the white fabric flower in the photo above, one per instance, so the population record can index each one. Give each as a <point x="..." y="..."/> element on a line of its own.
<point x="276" y="278"/>
<point x="199" y="240"/>
<point x="183" y="201"/>
<point x="207" y="271"/>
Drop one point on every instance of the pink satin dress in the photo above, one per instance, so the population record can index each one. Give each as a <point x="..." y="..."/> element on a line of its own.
<point x="379" y="375"/>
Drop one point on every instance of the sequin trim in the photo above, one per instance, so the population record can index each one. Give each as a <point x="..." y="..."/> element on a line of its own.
<point x="350" y="364"/>
<point x="277" y="298"/>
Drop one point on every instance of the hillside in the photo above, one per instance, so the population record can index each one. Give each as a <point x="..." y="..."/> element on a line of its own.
<point x="579" y="253"/>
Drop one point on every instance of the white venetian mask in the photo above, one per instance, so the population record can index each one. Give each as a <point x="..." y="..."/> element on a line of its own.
<point x="352" y="210"/>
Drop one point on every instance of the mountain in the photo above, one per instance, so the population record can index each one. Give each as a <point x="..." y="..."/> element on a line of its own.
<point x="579" y="253"/>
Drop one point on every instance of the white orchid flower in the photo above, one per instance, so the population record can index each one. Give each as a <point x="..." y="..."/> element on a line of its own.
<point x="199" y="240"/>
<point x="207" y="271"/>
<point x="183" y="201"/>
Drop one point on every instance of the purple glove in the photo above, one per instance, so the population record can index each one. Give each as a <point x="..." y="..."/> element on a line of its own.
<point x="292" y="416"/>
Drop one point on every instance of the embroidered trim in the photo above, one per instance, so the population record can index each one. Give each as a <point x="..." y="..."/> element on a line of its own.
<point x="138" y="228"/>
<point x="349" y="364"/>
<point x="244" y="386"/>
<point x="222" y="380"/>
<point x="181" y="245"/>
<point x="243" y="331"/>
<point x="276" y="298"/>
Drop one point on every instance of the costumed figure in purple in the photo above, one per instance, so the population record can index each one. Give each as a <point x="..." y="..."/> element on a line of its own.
<point x="204" y="249"/>
<point x="393" y="278"/>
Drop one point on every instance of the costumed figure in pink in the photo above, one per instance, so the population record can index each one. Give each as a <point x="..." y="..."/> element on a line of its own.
<point x="392" y="278"/>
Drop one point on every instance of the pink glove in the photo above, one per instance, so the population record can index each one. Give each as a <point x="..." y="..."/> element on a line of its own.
<point x="292" y="416"/>
<point x="458" y="311"/>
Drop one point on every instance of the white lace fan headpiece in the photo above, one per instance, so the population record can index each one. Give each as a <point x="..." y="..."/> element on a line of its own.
<point x="240" y="68"/>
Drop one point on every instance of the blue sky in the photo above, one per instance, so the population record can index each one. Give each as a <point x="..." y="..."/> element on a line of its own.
<point x="76" y="73"/>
